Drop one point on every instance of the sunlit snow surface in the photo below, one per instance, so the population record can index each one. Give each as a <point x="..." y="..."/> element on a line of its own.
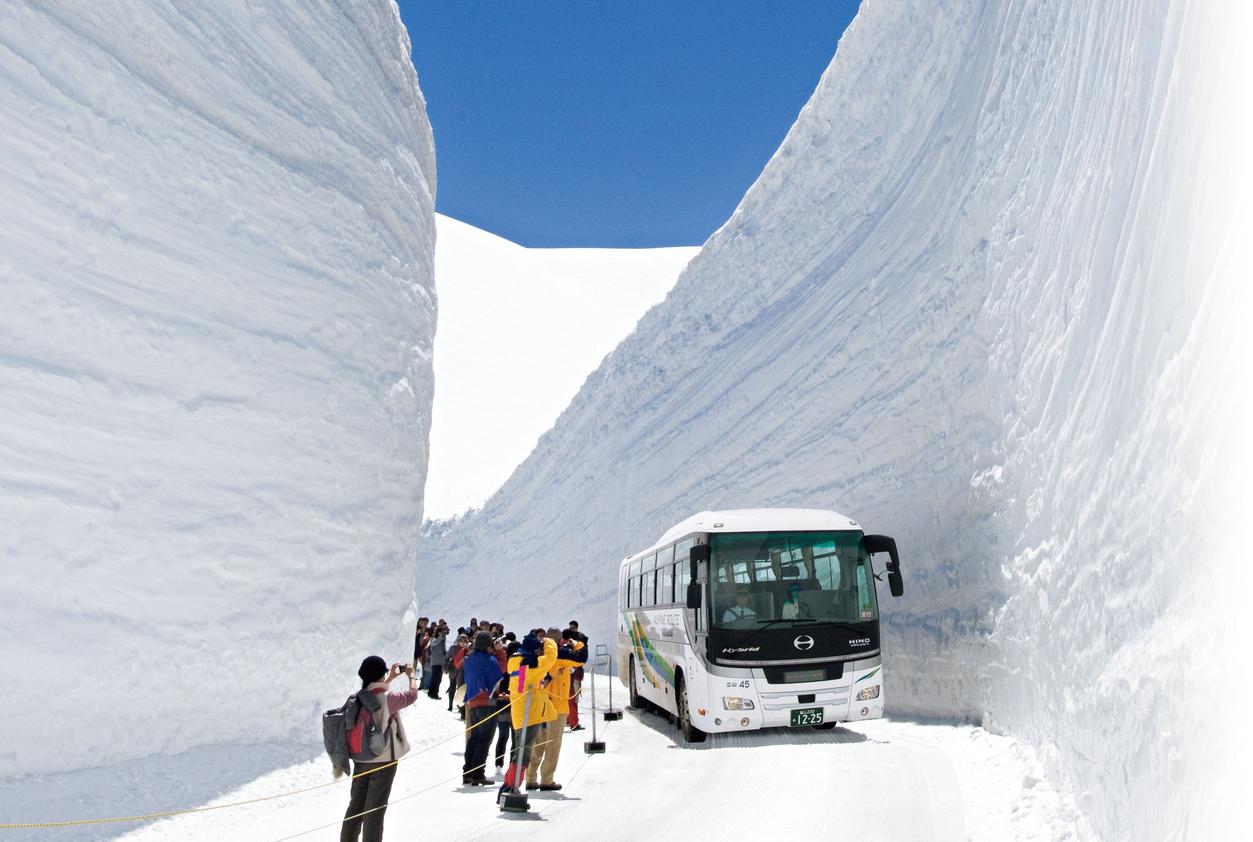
<point x="988" y="297"/>
<point x="519" y="331"/>
<point x="216" y="319"/>
<point x="899" y="780"/>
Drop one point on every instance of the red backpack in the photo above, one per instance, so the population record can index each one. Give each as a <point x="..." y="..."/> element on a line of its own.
<point x="365" y="741"/>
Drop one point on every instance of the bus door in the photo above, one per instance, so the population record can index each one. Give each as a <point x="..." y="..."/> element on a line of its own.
<point x="693" y="619"/>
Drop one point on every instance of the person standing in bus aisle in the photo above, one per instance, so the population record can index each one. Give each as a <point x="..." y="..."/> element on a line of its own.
<point x="548" y="745"/>
<point x="436" y="651"/>
<point x="529" y="705"/>
<point x="792" y="603"/>
<point x="741" y="609"/>
<point x="578" y="643"/>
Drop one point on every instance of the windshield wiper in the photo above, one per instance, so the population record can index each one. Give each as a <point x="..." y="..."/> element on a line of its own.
<point x="844" y="626"/>
<point x="768" y="623"/>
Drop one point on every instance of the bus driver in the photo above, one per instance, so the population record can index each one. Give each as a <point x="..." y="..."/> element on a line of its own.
<point x="741" y="610"/>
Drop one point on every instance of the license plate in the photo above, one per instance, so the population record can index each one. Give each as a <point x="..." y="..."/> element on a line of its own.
<point x="807" y="716"/>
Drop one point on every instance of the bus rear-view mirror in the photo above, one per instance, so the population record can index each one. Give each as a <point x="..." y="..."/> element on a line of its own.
<point x="699" y="553"/>
<point x="887" y="544"/>
<point x="693" y="594"/>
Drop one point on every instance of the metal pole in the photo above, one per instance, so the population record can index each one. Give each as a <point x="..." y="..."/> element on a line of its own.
<point x="517" y="801"/>
<point x="594" y="746"/>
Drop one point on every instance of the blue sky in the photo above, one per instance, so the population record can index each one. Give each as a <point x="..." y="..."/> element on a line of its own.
<point x="624" y="124"/>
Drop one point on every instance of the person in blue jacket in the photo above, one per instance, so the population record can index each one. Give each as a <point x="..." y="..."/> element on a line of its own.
<point x="480" y="673"/>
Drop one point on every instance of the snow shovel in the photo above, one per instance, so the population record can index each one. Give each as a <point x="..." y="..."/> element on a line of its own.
<point x="509" y="798"/>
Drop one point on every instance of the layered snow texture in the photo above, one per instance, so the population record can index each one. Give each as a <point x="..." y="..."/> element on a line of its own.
<point x="520" y="329"/>
<point x="216" y="321"/>
<point x="984" y="298"/>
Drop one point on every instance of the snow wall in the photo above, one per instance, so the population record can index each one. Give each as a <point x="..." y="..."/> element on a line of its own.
<point x="216" y="263"/>
<point x="984" y="298"/>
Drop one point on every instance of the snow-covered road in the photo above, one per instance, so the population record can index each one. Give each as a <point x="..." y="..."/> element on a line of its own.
<point x="887" y="779"/>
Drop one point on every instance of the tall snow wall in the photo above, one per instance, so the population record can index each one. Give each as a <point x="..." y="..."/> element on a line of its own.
<point x="216" y="317"/>
<point x="983" y="298"/>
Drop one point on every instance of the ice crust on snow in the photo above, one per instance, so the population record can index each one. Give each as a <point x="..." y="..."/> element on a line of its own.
<point x="519" y="331"/>
<point x="216" y="269"/>
<point x="984" y="298"/>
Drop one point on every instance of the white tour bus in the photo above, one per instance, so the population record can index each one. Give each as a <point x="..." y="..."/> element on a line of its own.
<point x="755" y="618"/>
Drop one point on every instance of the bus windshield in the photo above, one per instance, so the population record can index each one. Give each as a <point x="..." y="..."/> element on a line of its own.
<point x="764" y="577"/>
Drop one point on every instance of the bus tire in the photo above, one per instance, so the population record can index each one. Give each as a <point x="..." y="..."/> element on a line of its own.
<point x="825" y="726"/>
<point x="690" y="732"/>
<point x="633" y="689"/>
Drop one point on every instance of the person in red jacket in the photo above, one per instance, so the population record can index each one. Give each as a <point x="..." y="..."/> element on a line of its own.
<point x="455" y="658"/>
<point x="577" y="641"/>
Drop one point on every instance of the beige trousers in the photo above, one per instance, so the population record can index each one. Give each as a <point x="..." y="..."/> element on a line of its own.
<point x="546" y="751"/>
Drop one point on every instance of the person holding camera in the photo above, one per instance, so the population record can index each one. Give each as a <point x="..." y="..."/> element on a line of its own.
<point x="372" y="779"/>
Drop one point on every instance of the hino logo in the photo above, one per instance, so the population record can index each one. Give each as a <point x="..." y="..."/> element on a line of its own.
<point x="803" y="642"/>
<point x="859" y="641"/>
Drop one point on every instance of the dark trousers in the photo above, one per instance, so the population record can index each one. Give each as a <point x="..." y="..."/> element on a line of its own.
<point x="478" y="739"/>
<point x="433" y="688"/>
<point x="368" y="792"/>
<point x="504" y="727"/>
<point x="525" y="759"/>
<point x="452" y="686"/>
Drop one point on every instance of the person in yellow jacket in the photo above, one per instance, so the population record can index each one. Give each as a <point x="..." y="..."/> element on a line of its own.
<point x="547" y="737"/>
<point x="527" y="669"/>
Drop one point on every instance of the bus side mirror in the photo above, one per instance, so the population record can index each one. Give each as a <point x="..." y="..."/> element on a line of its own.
<point x="887" y="544"/>
<point x="695" y="556"/>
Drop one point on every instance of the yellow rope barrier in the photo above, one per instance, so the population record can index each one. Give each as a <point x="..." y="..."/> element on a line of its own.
<point x="165" y="814"/>
<point x="433" y="786"/>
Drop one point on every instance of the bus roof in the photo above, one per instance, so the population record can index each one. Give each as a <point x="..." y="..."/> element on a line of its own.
<point x="755" y="520"/>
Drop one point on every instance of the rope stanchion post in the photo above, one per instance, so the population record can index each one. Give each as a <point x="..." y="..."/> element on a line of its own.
<point x="610" y="714"/>
<point x="511" y="798"/>
<point x="595" y="746"/>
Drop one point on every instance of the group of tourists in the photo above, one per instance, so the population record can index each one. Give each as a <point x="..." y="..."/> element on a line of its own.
<point x="520" y="694"/>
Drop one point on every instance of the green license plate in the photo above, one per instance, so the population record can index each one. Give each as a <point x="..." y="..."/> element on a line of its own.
<point x="807" y="716"/>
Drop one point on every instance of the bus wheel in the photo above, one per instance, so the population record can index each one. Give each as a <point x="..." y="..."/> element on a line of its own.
<point x="690" y="732"/>
<point x="635" y="699"/>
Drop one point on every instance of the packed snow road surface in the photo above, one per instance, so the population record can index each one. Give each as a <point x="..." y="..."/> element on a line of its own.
<point x="885" y="779"/>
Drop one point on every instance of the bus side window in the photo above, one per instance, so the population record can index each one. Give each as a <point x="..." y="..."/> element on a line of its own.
<point x="665" y="577"/>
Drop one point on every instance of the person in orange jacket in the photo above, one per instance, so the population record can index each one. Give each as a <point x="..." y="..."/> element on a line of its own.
<point x="529" y="704"/>
<point x="547" y="740"/>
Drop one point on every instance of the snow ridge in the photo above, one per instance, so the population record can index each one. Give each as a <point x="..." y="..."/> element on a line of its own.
<point x="976" y="300"/>
<point x="216" y="263"/>
<point x="519" y="330"/>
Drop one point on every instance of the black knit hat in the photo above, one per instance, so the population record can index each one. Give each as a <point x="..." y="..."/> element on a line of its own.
<point x="482" y="641"/>
<point x="372" y="669"/>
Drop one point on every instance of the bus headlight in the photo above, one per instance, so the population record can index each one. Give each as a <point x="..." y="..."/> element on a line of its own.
<point x="868" y="694"/>
<point x="737" y="703"/>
